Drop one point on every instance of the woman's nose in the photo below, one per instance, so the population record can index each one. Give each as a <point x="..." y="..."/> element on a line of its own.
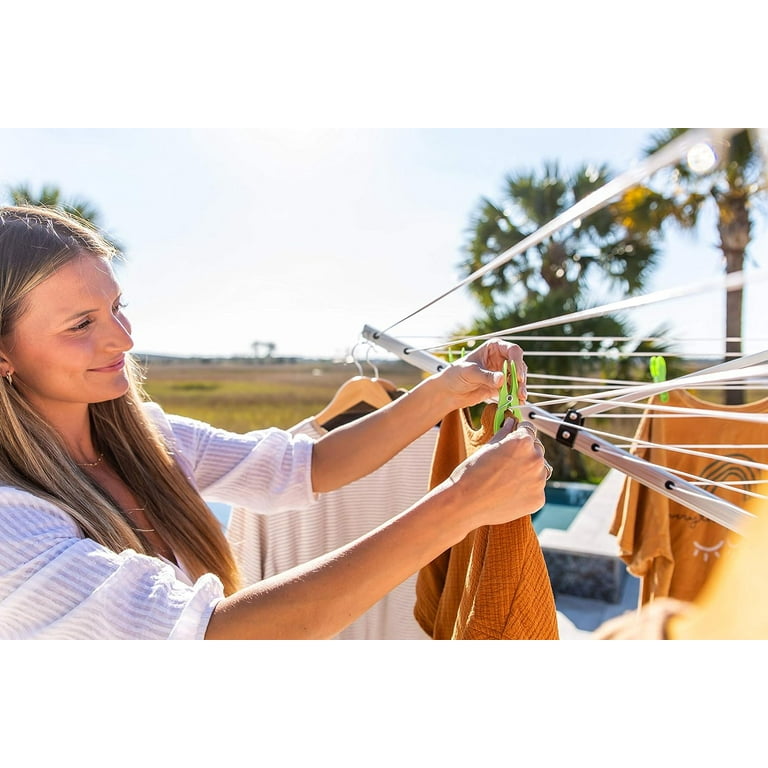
<point x="120" y="333"/>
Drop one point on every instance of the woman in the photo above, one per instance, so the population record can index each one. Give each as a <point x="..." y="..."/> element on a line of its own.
<point x="104" y="531"/>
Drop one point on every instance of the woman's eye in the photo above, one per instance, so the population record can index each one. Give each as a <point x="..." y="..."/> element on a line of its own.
<point x="82" y="326"/>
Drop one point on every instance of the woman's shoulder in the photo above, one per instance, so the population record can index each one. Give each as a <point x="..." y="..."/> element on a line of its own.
<point x="22" y="510"/>
<point x="172" y="423"/>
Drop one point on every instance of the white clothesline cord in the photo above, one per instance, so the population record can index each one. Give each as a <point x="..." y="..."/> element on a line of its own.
<point x="633" y="339"/>
<point x="733" y="281"/>
<point x="582" y="440"/>
<point x="740" y="368"/>
<point x="649" y="411"/>
<point x="751" y="386"/>
<point x="670" y="154"/>
<point x="603" y="401"/>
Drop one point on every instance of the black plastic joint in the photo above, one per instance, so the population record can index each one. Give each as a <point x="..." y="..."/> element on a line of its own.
<point x="568" y="430"/>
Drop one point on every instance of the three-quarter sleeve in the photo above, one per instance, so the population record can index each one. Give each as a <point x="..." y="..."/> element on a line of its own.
<point x="267" y="470"/>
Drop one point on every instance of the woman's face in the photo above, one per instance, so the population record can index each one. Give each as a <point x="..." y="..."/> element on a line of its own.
<point x="68" y="346"/>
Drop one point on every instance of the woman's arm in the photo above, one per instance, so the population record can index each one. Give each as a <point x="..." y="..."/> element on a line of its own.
<point x="502" y="481"/>
<point x="358" y="448"/>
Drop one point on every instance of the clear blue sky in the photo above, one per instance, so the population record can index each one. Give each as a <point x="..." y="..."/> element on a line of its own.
<point x="300" y="237"/>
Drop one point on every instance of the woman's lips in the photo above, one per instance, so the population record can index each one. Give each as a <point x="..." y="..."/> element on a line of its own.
<point x="112" y="367"/>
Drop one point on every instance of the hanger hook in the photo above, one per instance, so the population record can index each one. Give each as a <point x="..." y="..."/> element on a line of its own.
<point x="368" y="348"/>
<point x="352" y="359"/>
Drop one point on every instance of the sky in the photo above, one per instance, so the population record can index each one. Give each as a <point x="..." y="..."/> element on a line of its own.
<point x="301" y="236"/>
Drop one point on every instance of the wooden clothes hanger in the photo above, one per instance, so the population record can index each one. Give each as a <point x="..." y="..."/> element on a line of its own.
<point x="358" y="390"/>
<point x="358" y="396"/>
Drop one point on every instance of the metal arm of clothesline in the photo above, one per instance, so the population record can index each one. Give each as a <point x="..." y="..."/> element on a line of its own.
<point x="569" y="431"/>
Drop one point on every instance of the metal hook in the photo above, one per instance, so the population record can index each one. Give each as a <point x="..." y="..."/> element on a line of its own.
<point x="368" y="348"/>
<point x="352" y="359"/>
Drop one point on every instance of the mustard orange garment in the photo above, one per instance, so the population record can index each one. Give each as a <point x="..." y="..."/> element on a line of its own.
<point x="494" y="584"/>
<point x="671" y="548"/>
<point x="732" y="604"/>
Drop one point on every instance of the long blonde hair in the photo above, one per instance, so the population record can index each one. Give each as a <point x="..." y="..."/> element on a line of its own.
<point x="35" y="242"/>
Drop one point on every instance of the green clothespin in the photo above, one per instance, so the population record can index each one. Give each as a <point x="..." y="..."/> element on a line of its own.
<point x="658" y="367"/>
<point x="508" y="397"/>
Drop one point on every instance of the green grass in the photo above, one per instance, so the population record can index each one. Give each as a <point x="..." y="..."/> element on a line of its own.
<point x="245" y="397"/>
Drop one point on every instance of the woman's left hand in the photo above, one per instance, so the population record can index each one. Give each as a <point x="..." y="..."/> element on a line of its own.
<point x="478" y="376"/>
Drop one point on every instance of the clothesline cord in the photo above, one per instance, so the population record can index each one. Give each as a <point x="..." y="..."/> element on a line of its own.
<point x="671" y="153"/>
<point x="730" y="282"/>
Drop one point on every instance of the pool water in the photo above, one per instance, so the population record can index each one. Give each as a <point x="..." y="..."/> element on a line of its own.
<point x="564" y="502"/>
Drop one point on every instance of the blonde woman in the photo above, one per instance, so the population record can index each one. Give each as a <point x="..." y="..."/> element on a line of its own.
<point x="104" y="527"/>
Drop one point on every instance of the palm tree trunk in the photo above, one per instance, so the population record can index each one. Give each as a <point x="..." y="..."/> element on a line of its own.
<point x="734" y="228"/>
<point x="733" y="314"/>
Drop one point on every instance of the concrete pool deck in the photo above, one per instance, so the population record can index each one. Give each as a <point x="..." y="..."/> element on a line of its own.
<point x="590" y="581"/>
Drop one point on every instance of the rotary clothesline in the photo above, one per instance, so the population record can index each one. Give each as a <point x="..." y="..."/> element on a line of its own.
<point x="673" y="152"/>
<point x="568" y="429"/>
<point x="667" y="155"/>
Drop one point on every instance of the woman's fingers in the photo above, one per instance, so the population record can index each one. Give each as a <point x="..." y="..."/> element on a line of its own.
<point x="530" y="429"/>
<point x="506" y="477"/>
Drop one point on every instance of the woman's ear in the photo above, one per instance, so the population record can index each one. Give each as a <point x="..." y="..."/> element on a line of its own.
<point x="5" y="365"/>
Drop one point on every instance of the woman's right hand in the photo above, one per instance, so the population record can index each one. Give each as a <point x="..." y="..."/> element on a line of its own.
<point x="504" y="479"/>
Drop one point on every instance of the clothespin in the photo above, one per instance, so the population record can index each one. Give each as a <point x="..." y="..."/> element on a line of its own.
<point x="658" y="367"/>
<point x="509" y="399"/>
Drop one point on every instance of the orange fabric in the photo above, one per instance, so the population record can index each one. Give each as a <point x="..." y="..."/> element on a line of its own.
<point x="671" y="548"/>
<point x="494" y="584"/>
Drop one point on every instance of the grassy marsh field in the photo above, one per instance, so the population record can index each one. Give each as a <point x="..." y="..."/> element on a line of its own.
<point x="241" y="397"/>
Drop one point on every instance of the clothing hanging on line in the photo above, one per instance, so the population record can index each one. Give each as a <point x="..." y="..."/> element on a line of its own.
<point x="265" y="545"/>
<point x="494" y="584"/>
<point x="670" y="547"/>
<point x="731" y="605"/>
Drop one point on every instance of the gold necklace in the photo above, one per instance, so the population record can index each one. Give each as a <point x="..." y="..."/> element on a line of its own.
<point x="92" y="463"/>
<point x="138" y="530"/>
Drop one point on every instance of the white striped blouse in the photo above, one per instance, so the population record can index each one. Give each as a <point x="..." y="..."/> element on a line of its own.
<point x="55" y="584"/>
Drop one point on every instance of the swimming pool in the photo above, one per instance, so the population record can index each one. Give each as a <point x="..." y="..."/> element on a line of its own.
<point x="564" y="501"/>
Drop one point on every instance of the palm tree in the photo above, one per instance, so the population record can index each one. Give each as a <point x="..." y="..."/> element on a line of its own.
<point x="52" y="197"/>
<point x="562" y="274"/>
<point x="734" y="185"/>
